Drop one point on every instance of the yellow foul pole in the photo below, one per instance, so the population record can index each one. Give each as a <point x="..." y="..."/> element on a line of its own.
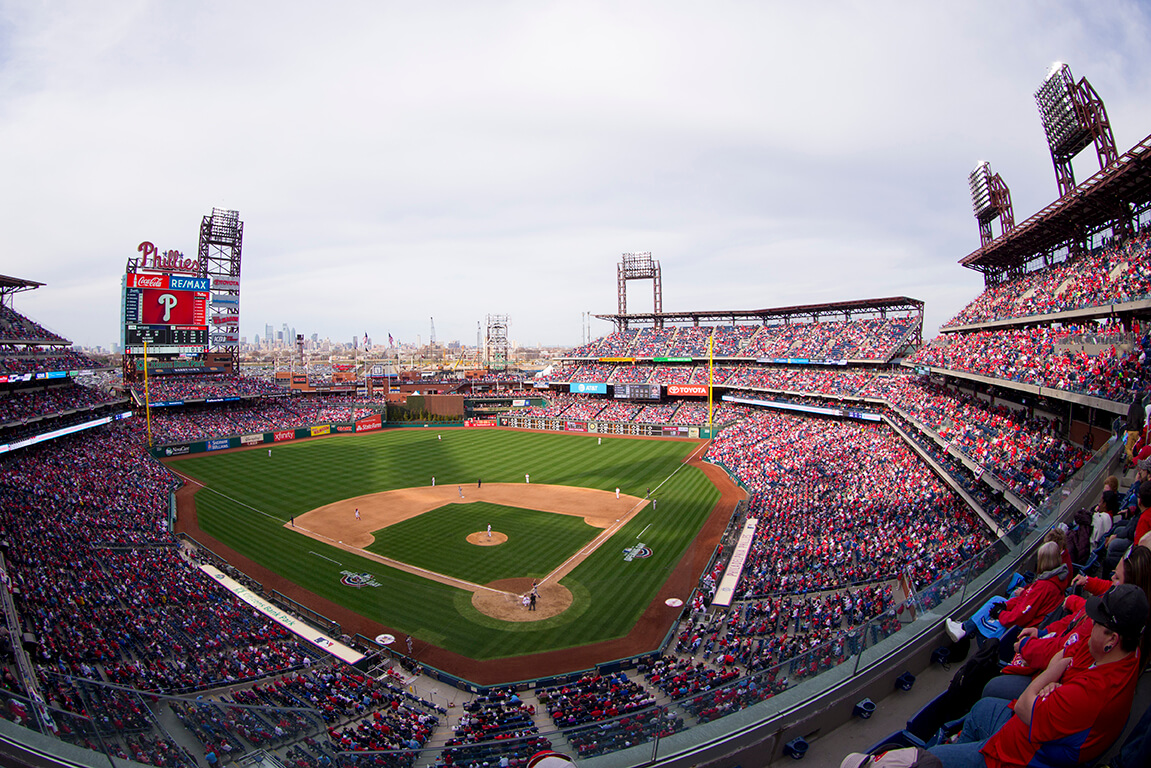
<point x="147" y="400"/>
<point x="710" y="372"/>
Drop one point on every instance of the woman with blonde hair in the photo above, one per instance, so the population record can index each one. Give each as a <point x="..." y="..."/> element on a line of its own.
<point x="1030" y="606"/>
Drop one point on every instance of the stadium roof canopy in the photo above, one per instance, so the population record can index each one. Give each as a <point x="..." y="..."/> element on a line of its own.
<point x="846" y="309"/>
<point x="10" y="285"/>
<point x="1093" y="207"/>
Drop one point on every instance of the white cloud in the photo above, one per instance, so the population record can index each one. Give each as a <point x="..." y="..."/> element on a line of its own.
<point x="395" y="162"/>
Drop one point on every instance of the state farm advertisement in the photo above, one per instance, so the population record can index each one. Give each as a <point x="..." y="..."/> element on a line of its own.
<point x="161" y="307"/>
<point x="370" y="423"/>
<point x="687" y="390"/>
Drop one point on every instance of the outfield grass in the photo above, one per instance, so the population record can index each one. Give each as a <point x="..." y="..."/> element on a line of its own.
<point x="538" y="542"/>
<point x="252" y="496"/>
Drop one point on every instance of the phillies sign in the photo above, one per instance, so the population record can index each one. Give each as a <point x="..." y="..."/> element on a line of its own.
<point x="687" y="390"/>
<point x="168" y="261"/>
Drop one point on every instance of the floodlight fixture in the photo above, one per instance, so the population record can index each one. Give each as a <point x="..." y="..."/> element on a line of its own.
<point x="1073" y="116"/>
<point x="1064" y="120"/>
<point x="638" y="266"/>
<point x="980" y="182"/>
<point x="991" y="200"/>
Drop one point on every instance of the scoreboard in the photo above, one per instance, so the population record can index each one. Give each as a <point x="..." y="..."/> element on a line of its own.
<point x="635" y="391"/>
<point x="166" y="335"/>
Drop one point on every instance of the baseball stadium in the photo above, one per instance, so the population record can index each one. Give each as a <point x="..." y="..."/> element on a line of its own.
<point x="717" y="537"/>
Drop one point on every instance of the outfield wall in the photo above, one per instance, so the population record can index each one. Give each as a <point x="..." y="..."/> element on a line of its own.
<point x="629" y="428"/>
<point x="369" y="424"/>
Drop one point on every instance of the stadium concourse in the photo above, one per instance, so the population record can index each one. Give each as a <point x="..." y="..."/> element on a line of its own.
<point x="854" y="514"/>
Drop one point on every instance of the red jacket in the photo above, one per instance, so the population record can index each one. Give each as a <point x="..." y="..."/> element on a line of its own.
<point x="1041" y="597"/>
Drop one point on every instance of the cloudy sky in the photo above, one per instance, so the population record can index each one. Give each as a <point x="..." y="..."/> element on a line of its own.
<point x="394" y="162"/>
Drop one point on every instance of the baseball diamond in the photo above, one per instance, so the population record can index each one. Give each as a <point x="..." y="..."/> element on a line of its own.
<point x="463" y="599"/>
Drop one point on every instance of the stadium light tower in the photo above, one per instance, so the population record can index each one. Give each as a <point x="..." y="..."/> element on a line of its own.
<point x="497" y="344"/>
<point x="1073" y="116"/>
<point x="639" y="266"/>
<point x="221" y="244"/>
<point x="991" y="200"/>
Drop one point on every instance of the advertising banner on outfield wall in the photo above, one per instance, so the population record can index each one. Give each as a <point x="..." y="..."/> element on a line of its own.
<point x="251" y="439"/>
<point x="575" y="426"/>
<point x="219" y="445"/>
<point x="287" y="434"/>
<point x="370" y="423"/>
<point x="591" y="388"/>
<point x="687" y="390"/>
<point x="322" y="429"/>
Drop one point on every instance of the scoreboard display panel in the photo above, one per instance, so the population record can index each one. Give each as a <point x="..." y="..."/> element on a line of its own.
<point x="636" y="391"/>
<point x="166" y="335"/>
<point x="152" y="306"/>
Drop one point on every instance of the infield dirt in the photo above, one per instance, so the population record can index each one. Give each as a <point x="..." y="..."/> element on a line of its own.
<point x="349" y="524"/>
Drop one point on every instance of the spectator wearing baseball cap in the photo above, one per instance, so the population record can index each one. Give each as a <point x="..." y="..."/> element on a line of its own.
<point x="1073" y="710"/>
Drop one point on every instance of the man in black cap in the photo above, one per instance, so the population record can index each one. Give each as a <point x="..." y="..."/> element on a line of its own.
<point x="1073" y="710"/>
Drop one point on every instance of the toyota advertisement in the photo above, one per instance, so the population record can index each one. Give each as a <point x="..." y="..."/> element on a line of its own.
<point x="687" y="390"/>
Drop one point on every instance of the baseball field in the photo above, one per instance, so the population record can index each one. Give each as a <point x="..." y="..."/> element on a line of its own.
<point x="355" y="521"/>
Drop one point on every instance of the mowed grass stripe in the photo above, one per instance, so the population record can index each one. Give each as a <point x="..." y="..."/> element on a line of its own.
<point x="609" y="592"/>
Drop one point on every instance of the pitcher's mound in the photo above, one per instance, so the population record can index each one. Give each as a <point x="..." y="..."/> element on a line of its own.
<point x="484" y="540"/>
<point x="507" y="604"/>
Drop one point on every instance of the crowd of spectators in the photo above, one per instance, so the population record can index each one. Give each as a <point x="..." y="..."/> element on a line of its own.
<point x="618" y="713"/>
<point x="198" y="422"/>
<point x="583" y="407"/>
<point x="24" y="360"/>
<point x="821" y="529"/>
<point x="100" y="581"/>
<point x="1046" y="357"/>
<point x="865" y="339"/>
<point x="165" y="389"/>
<point x="25" y="405"/>
<point x="496" y="725"/>
<point x="15" y="327"/>
<point x="1112" y="275"/>
<point x="1026" y="453"/>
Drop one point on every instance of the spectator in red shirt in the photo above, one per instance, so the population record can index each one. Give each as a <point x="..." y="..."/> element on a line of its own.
<point x="1072" y="711"/>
